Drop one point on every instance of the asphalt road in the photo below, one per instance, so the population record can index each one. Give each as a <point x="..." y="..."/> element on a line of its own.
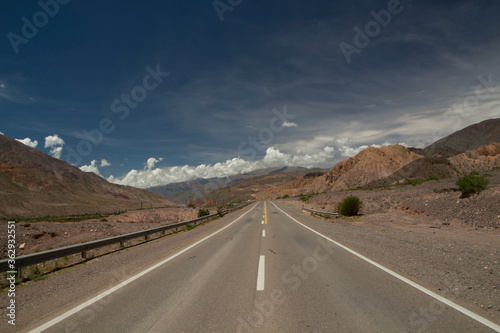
<point x="266" y="273"/>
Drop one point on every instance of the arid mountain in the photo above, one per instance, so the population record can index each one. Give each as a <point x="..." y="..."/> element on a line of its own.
<point x="34" y="184"/>
<point x="469" y="138"/>
<point x="201" y="190"/>
<point x="357" y="171"/>
<point x="247" y="188"/>
<point x="484" y="158"/>
<point x="421" y="169"/>
<point x="475" y="148"/>
<point x="370" y="164"/>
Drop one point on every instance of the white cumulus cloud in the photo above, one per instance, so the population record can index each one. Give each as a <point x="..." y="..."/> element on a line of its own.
<point x="105" y="163"/>
<point x="55" y="143"/>
<point x="93" y="167"/>
<point x="150" y="163"/>
<point x="28" y="142"/>
<point x="150" y="176"/>
<point x="56" y="152"/>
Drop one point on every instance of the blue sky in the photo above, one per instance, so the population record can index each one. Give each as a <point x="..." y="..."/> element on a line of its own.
<point x="173" y="90"/>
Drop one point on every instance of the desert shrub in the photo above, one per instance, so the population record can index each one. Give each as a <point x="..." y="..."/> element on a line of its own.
<point x="305" y="197"/>
<point x="286" y="196"/>
<point x="350" y="206"/>
<point x="471" y="184"/>
<point x="220" y="213"/>
<point x="414" y="182"/>
<point x="34" y="273"/>
<point x="203" y="212"/>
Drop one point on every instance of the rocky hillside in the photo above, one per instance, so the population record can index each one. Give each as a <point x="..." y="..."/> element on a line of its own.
<point x="34" y="184"/>
<point x="485" y="158"/>
<point x="469" y="138"/>
<point x="367" y="166"/>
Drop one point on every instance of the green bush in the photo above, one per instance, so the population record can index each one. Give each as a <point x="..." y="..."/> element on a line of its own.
<point x="306" y="197"/>
<point x="471" y="184"/>
<point x="414" y="182"/>
<point x="286" y="196"/>
<point x="220" y="213"/>
<point x="350" y="206"/>
<point x="203" y="212"/>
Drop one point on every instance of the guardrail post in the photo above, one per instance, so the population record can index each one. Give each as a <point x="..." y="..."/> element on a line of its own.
<point x="84" y="254"/>
<point x="19" y="273"/>
<point x="122" y="244"/>
<point x="146" y="237"/>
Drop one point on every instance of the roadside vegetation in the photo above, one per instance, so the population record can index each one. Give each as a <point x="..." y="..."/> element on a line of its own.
<point x="69" y="218"/>
<point x="472" y="184"/>
<point x="203" y="212"/>
<point x="306" y="197"/>
<point x="350" y="206"/>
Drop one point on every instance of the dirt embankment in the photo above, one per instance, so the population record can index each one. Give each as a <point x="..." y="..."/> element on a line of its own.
<point x="438" y="200"/>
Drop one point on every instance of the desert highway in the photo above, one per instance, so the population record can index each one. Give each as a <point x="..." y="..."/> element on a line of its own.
<point x="266" y="272"/>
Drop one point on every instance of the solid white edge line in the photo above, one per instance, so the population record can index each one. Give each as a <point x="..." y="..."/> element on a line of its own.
<point x="263" y="233"/>
<point x="261" y="273"/>
<point x="440" y="298"/>
<point x="124" y="283"/>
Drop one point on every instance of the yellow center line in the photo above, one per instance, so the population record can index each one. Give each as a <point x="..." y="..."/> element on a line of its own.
<point x="265" y="213"/>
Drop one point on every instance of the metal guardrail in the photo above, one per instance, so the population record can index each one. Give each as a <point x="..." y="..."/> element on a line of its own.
<point x="319" y="213"/>
<point x="39" y="257"/>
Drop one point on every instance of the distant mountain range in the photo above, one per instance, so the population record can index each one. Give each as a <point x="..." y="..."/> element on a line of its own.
<point x="472" y="148"/>
<point x="232" y="188"/>
<point x="34" y="184"/>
